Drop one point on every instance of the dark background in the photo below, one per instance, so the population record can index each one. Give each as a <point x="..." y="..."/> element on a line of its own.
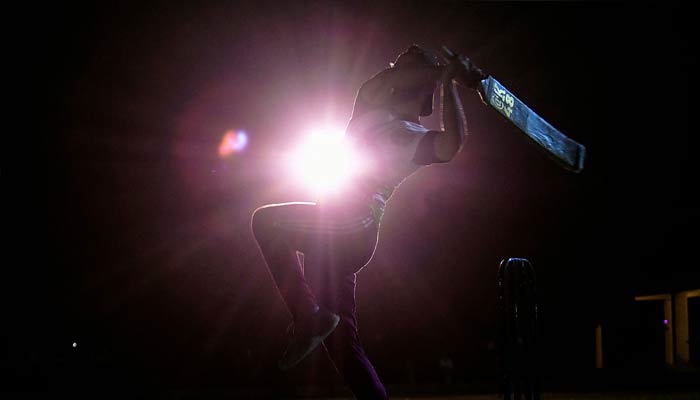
<point x="129" y="235"/>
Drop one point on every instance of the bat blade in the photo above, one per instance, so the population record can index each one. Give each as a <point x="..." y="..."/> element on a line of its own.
<point x="562" y="149"/>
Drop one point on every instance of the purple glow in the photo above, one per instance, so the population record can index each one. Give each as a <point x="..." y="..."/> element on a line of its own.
<point x="232" y="142"/>
<point x="665" y="322"/>
<point x="242" y="141"/>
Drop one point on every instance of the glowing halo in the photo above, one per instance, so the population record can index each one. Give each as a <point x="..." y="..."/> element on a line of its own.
<point x="232" y="142"/>
<point x="324" y="161"/>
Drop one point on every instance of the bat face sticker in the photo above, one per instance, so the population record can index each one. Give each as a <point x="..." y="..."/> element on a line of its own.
<point x="502" y="100"/>
<point x="564" y="150"/>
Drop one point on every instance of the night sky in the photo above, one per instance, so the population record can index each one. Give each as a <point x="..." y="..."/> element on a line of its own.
<point x="128" y="234"/>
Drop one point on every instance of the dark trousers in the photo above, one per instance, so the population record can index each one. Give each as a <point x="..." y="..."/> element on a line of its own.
<point x="338" y="241"/>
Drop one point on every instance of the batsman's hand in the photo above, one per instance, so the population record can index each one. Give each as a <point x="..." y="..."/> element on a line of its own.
<point x="462" y="69"/>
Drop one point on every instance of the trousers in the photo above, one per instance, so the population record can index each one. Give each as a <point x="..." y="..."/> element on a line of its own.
<point x="338" y="240"/>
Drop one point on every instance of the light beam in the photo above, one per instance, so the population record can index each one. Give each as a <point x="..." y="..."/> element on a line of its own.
<point x="325" y="161"/>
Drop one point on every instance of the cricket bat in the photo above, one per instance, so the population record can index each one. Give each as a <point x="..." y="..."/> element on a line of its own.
<point x="562" y="149"/>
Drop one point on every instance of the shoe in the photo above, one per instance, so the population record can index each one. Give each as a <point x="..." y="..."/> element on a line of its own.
<point x="306" y="335"/>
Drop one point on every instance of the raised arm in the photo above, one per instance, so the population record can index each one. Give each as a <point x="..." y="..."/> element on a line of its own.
<point x="451" y="140"/>
<point x="453" y="122"/>
<point x="378" y="90"/>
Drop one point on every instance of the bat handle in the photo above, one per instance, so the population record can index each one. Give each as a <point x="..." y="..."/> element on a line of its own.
<point x="447" y="52"/>
<point x="451" y="55"/>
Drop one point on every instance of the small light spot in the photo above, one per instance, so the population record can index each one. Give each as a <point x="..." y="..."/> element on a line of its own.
<point x="233" y="141"/>
<point x="665" y="322"/>
<point x="75" y="344"/>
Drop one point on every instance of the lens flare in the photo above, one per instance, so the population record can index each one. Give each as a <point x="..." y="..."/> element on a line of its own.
<point x="232" y="142"/>
<point x="325" y="161"/>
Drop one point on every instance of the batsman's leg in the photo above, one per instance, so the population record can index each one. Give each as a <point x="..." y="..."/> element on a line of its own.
<point x="344" y="347"/>
<point x="281" y="231"/>
<point x="279" y="249"/>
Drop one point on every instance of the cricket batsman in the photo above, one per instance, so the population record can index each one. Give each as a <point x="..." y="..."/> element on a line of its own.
<point x="342" y="229"/>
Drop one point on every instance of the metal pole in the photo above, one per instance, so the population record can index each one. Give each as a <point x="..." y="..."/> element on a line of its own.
<point x="517" y="304"/>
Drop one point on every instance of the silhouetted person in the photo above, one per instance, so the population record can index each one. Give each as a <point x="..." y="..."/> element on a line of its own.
<point x="342" y="229"/>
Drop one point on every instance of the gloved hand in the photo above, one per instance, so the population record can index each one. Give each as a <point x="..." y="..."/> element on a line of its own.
<point x="462" y="69"/>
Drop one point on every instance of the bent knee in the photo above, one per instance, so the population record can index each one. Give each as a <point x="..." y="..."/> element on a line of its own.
<point x="259" y="221"/>
<point x="265" y="219"/>
<point x="262" y="222"/>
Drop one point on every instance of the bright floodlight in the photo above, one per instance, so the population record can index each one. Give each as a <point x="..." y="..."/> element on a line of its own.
<point x="324" y="161"/>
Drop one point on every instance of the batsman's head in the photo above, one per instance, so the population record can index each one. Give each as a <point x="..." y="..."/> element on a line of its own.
<point x="416" y="57"/>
